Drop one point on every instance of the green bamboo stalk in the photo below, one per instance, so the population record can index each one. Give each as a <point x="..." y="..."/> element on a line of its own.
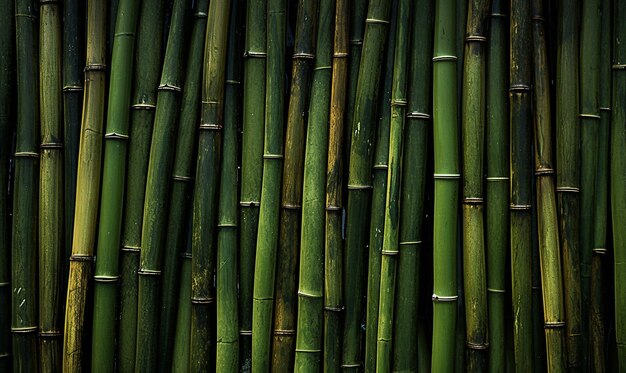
<point x="393" y="203"/>
<point x="7" y="118"/>
<point x="251" y="167"/>
<point x="521" y="182"/>
<point x="25" y="187"/>
<point x="473" y="127"/>
<point x="309" y="337"/>
<point x="363" y="124"/>
<point x="227" y="349"/>
<point x="379" y="194"/>
<point x="73" y="59"/>
<point x="446" y="189"/>
<point x="51" y="228"/>
<point x="157" y="194"/>
<point x="147" y="67"/>
<point x="549" y="251"/>
<point x="291" y="194"/>
<point x="182" y="183"/>
<point x="206" y="190"/>
<point x="113" y="176"/>
<point x="333" y="254"/>
<point x="596" y="323"/>
<point x="267" y="236"/>
<point x="405" y="345"/>
<point x="497" y="182"/>
<point x="568" y="173"/>
<point x="180" y="355"/>
<point x="87" y="188"/>
<point x="618" y="176"/>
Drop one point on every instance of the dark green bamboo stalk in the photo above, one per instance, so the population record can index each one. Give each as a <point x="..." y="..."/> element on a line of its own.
<point x="568" y="173"/>
<point x="363" y="125"/>
<point x="308" y="357"/>
<point x="618" y="175"/>
<point x="113" y="177"/>
<point x="7" y="118"/>
<point x="267" y="237"/>
<point x="291" y="194"/>
<point x="147" y="66"/>
<point x="25" y="188"/>
<point x="206" y="190"/>
<point x="390" y="247"/>
<point x="73" y="59"/>
<point x="227" y="349"/>
<point x="379" y="194"/>
<point x="521" y="181"/>
<point x="414" y="156"/>
<point x="549" y="251"/>
<point x="179" y="199"/>
<point x="251" y="167"/>
<point x="497" y="186"/>
<point x="596" y="323"/>
<point x="182" y="339"/>
<point x="446" y="176"/>
<point x="87" y="188"/>
<point x="473" y="129"/>
<point x="157" y="194"/>
<point x="333" y="254"/>
<point x="51" y="228"/>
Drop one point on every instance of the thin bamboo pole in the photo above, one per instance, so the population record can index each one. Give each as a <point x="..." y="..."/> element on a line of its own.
<point x="182" y="339"/>
<point x="25" y="187"/>
<point x="111" y="200"/>
<point x="291" y="194"/>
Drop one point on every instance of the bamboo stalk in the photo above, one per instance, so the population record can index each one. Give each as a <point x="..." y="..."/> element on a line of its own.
<point x="147" y="66"/>
<point x="412" y="194"/>
<point x="180" y="355"/>
<point x="291" y="194"/>
<point x="596" y="323"/>
<point x="179" y="200"/>
<point x="379" y="194"/>
<point x="87" y="188"/>
<point x="521" y="182"/>
<point x="254" y="91"/>
<point x="618" y="176"/>
<point x="25" y="187"/>
<point x="446" y="188"/>
<point x="309" y="337"/>
<point x="363" y="124"/>
<point x="227" y="351"/>
<point x="7" y="127"/>
<point x="157" y="194"/>
<point x="51" y="228"/>
<point x="549" y="251"/>
<point x="497" y="182"/>
<point x="113" y="176"/>
<point x="333" y="258"/>
<point x="267" y="236"/>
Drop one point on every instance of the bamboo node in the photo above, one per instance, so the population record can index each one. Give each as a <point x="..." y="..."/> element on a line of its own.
<point x="351" y="365"/>
<point x="169" y="87"/>
<point x="538" y="18"/>
<point x="44" y="2"/>
<point x="81" y="258"/>
<point x="358" y="186"/>
<point x="475" y="38"/>
<point x="51" y="145"/>
<point x="303" y="55"/>
<point x="291" y="206"/>
<point x="554" y="324"/>
<point x="498" y="15"/>
<point x="27" y="154"/>
<point x="24" y="329"/>
<point x="186" y="255"/>
<point x="95" y="67"/>
<point x="497" y="178"/>
<point x="389" y="252"/>
<point x="334" y="308"/>
<point x="308" y="351"/>
<point x="376" y="21"/>
<point x="319" y="68"/>
<point x="210" y="126"/>
<point x="514" y="206"/>
<point x="72" y="88"/>
<point x="132" y="249"/>
<point x="283" y="332"/>
<point x="410" y="243"/>
<point x="200" y="15"/>
<point x="619" y="66"/>
<point x="492" y="290"/>
<point x="590" y="116"/>
<point x="25" y="15"/>
<point x="115" y="136"/>
<point x="417" y="115"/>
<point x="105" y="278"/>
<point x="380" y="166"/>
<point x="447" y="176"/>
<point x="473" y="200"/>
<point x="272" y="156"/>
<point x="521" y="88"/>
<point x="356" y="41"/>
<point x="182" y="178"/>
<point x="308" y="295"/>
<point x="340" y="55"/>
<point x="398" y="102"/>
<point x="245" y="332"/>
<point x="544" y="171"/>
<point x="444" y="298"/>
<point x="605" y="108"/>
<point x="201" y="300"/>
<point x="149" y="272"/>
<point x="49" y="333"/>
<point x="568" y="189"/>
<point x="125" y="33"/>
<point x="5" y="283"/>
<point x="599" y="250"/>
<point x="477" y="346"/>
<point x="143" y="106"/>
<point x="333" y="208"/>
<point x="227" y="225"/>
<point x="255" y="54"/>
<point x="249" y="203"/>
<point x="444" y="58"/>
<point x="232" y="81"/>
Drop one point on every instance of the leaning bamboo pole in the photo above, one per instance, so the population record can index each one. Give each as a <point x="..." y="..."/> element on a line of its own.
<point x="51" y="206"/>
<point x="446" y="190"/>
<point x="267" y="236"/>
<point x="547" y="219"/>
<point x="406" y="348"/>
<point x="113" y="176"/>
<point x="497" y="182"/>
<point x="333" y="258"/>
<point x="291" y="194"/>
<point x="204" y="221"/>
<point x="309" y="331"/>
<point x="255" y="57"/>
<point x="154" y="221"/>
<point x="7" y="126"/>
<point x="362" y="131"/>
<point x="25" y="187"/>
<point x="521" y="181"/>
